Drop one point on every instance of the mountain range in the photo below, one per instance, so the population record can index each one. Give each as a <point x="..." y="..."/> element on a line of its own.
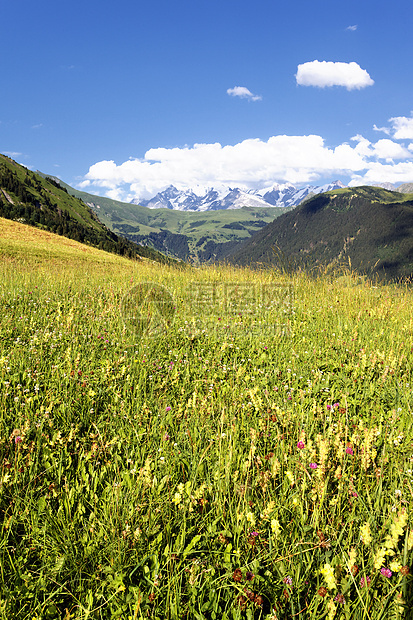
<point x="217" y="199"/>
<point x="370" y="227"/>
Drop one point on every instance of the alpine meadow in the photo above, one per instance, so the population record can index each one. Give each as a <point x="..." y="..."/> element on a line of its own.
<point x="200" y="443"/>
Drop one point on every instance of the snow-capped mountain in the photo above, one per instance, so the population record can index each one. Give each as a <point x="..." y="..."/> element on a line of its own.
<point x="214" y="199"/>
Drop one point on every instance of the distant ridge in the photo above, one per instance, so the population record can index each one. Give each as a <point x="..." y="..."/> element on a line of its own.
<point x="370" y="228"/>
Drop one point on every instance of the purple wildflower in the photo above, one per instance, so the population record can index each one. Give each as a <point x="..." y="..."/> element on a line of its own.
<point x="386" y="572"/>
<point x="365" y="582"/>
<point x="349" y="450"/>
<point x="288" y="580"/>
<point x="340" y="599"/>
<point x="313" y="465"/>
<point x="300" y="445"/>
<point x="168" y="408"/>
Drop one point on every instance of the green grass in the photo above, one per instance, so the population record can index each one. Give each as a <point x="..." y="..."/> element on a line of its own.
<point x="160" y="474"/>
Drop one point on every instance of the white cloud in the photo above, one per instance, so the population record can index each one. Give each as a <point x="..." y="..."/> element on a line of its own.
<point x="325" y="73"/>
<point x="377" y="172"/>
<point x="243" y="93"/>
<point x="385" y="130"/>
<point x="402" y="127"/>
<point x="252" y="164"/>
<point x="352" y="28"/>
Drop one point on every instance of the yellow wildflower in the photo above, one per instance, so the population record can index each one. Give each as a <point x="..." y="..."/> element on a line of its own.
<point x="328" y="573"/>
<point x="267" y="511"/>
<point x="250" y="518"/>
<point x="290" y="476"/>
<point x="365" y="533"/>
<point x="352" y="557"/>
<point x="275" y="527"/>
<point x="395" y="566"/>
<point x="331" y="606"/>
<point x="380" y="557"/>
<point x="177" y="499"/>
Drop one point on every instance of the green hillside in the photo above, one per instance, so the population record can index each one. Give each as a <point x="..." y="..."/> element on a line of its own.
<point x="42" y="202"/>
<point x="369" y="227"/>
<point x="200" y="237"/>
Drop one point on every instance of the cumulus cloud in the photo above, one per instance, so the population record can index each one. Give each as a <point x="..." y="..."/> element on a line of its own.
<point x="402" y="127"/>
<point x="243" y="93"/>
<point x="352" y="28"/>
<point x="325" y="73"/>
<point x="251" y="164"/>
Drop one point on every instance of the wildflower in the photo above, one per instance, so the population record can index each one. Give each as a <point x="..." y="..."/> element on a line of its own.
<point x="331" y="610"/>
<point x="365" y="533"/>
<point x="349" y="450"/>
<point x="268" y="510"/>
<point x="405" y="571"/>
<point x="380" y="557"/>
<point x="259" y="600"/>
<point x="168" y="408"/>
<point x="249" y="576"/>
<point x="290" y="476"/>
<point x="397" y="493"/>
<point x="340" y="599"/>
<point x="396" y="530"/>
<point x="328" y="572"/>
<point x="386" y="572"/>
<point x="237" y="575"/>
<point x="275" y="527"/>
<point x="177" y="499"/>
<point x="365" y="581"/>
<point x="18" y="439"/>
<point x="395" y="566"/>
<point x="313" y="465"/>
<point x="351" y="564"/>
<point x="242" y="601"/>
<point x="322" y="591"/>
<point x="288" y="580"/>
<point x="250" y="518"/>
<point x="300" y="445"/>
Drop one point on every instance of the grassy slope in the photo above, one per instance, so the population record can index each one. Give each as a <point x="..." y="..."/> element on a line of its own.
<point x="23" y="243"/>
<point x="164" y="477"/>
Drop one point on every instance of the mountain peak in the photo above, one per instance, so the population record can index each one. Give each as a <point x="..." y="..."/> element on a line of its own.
<point x="203" y="198"/>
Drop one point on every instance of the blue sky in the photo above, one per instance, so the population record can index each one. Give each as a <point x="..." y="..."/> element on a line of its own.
<point x="123" y="98"/>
